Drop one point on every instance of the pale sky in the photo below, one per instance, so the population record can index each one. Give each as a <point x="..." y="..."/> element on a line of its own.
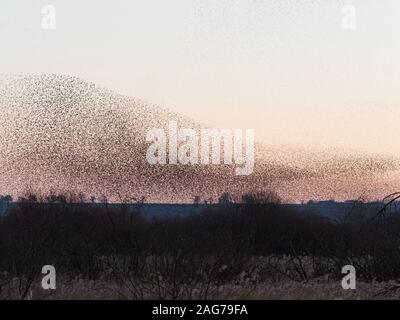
<point x="285" y="68"/>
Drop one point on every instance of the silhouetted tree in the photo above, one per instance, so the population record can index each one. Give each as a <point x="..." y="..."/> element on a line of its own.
<point x="225" y="198"/>
<point x="261" y="197"/>
<point x="7" y="198"/>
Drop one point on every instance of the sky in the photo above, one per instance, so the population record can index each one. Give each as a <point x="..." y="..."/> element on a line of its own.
<point x="287" y="69"/>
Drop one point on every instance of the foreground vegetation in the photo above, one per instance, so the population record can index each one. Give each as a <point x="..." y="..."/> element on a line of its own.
<point x="258" y="249"/>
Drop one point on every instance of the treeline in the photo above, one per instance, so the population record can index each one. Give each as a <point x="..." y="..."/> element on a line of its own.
<point x="192" y="256"/>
